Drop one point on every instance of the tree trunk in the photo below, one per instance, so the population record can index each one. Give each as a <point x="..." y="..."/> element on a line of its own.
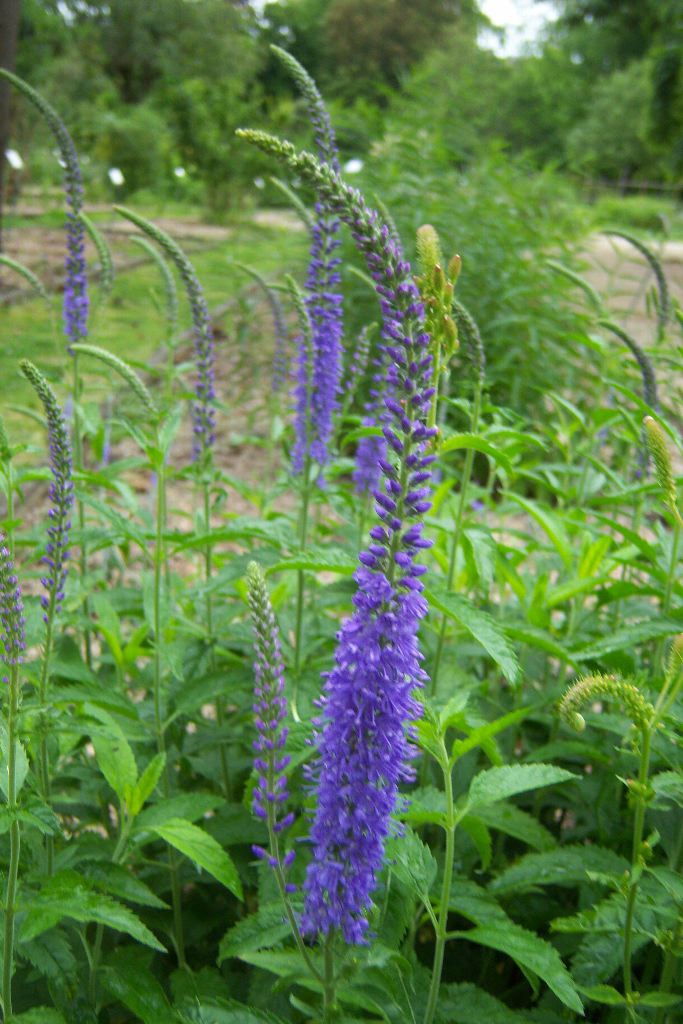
<point x="9" y="33"/>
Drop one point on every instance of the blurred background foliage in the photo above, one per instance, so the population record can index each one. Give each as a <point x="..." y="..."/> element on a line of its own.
<point x="148" y="87"/>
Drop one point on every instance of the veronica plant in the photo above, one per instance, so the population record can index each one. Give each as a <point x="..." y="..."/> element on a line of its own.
<point x="55" y="559"/>
<point x="12" y="649"/>
<point x="363" y="743"/>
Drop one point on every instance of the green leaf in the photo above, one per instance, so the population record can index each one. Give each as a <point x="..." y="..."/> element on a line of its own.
<point x="38" y="1015"/>
<point x="200" y="847"/>
<point x="21" y="762"/>
<point x="412" y="862"/>
<point x="427" y="806"/>
<point x="476" y="904"/>
<point x="189" y="806"/>
<point x="262" y="930"/>
<point x="531" y="953"/>
<point x="135" y="986"/>
<point x="628" y="638"/>
<point x="658" y="999"/>
<point x="670" y="880"/>
<point x="550" y="524"/>
<point x="466" y="1004"/>
<point x="232" y="1012"/>
<point x="480" y="836"/>
<point x="475" y="443"/>
<point x="318" y="560"/>
<point x="117" y="763"/>
<point x="515" y="822"/>
<point x="567" y="865"/>
<point x="536" y="637"/>
<point x="119" y="882"/>
<point x="668" y="786"/>
<point x="67" y="895"/>
<point x="147" y="783"/>
<point x="605" y="994"/>
<point x="482" y="626"/>
<point x="488" y="787"/>
<point x="485" y="732"/>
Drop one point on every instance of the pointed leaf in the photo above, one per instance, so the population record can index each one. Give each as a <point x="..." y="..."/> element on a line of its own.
<point x="482" y="626"/>
<point x="200" y="847"/>
<point x="488" y="787"/>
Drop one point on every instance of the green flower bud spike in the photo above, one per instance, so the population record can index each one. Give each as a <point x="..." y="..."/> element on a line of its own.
<point x="656" y="443"/>
<point x="638" y="709"/>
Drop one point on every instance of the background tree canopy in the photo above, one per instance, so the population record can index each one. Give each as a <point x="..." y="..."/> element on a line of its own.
<point x="170" y="80"/>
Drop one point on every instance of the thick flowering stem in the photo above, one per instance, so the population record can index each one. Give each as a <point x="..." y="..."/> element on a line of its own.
<point x="364" y="742"/>
<point x="12" y="644"/>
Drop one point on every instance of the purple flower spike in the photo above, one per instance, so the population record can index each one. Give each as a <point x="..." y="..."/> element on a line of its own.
<point x="323" y="364"/>
<point x="12" y="621"/>
<point x="75" y="285"/>
<point x="270" y="710"/>
<point x="364" y="741"/>
<point x="203" y="407"/>
<point x="61" y="493"/>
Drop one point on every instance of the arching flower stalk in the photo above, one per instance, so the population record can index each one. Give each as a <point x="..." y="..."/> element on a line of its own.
<point x="12" y="647"/>
<point x="56" y="556"/>
<point x="364" y="742"/>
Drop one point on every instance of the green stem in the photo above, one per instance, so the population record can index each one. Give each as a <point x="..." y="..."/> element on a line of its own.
<point x="329" y="1000"/>
<point x="208" y="572"/>
<point x="99" y="933"/>
<point x="442" y="930"/>
<point x="455" y="540"/>
<point x="638" y="826"/>
<point x="300" y="584"/>
<point x="78" y="466"/>
<point x="159" y="561"/>
<point x="15" y="842"/>
<point x="668" y="590"/>
<point x="44" y="756"/>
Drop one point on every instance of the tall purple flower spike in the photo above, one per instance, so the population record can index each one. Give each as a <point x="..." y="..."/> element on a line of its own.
<point x="323" y="299"/>
<point x="61" y="493"/>
<point x="12" y="621"/>
<point x="270" y="710"/>
<point x="75" y="284"/>
<point x="364" y="741"/>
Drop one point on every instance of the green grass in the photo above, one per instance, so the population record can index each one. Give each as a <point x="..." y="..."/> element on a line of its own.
<point x="131" y="324"/>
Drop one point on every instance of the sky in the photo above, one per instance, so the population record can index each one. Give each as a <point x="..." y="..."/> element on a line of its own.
<point x="522" y="20"/>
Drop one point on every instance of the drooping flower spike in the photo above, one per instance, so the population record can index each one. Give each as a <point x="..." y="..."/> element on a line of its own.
<point x="61" y="492"/>
<point x="75" y="284"/>
<point x="203" y="407"/>
<point x="364" y="743"/>
<point x="323" y="299"/>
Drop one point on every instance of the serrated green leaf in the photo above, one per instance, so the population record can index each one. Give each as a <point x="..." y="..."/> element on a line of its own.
<point x="203" y="850"/>
<point x="262" y="930"/>
<point x="135" y="986"/>
<point x="628" y="638"/>
<point x="530" y="952"/>
<point x="668" y="786"/>
<point x="476" y="904"/>
<point x="466" y="1004"/>
<point x="318" y="560"/>
<point x="567" y="865"/>
<point x="117" y="763"/>
<point x="189" y="806"/>
<point x="427" y="806"/>
<point x="482" y="626"/>
<point x="146" y="783"/>
<point x="475" y="443"/>
<point x="67" y="894"/>
<point x="119" y="882"/>
<point x="605" y="994"/>
<point x="515" y="822"/>
<point x="412" y="862"/>
<point x="494" y="784"/>
<point x="480" y="836"/>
